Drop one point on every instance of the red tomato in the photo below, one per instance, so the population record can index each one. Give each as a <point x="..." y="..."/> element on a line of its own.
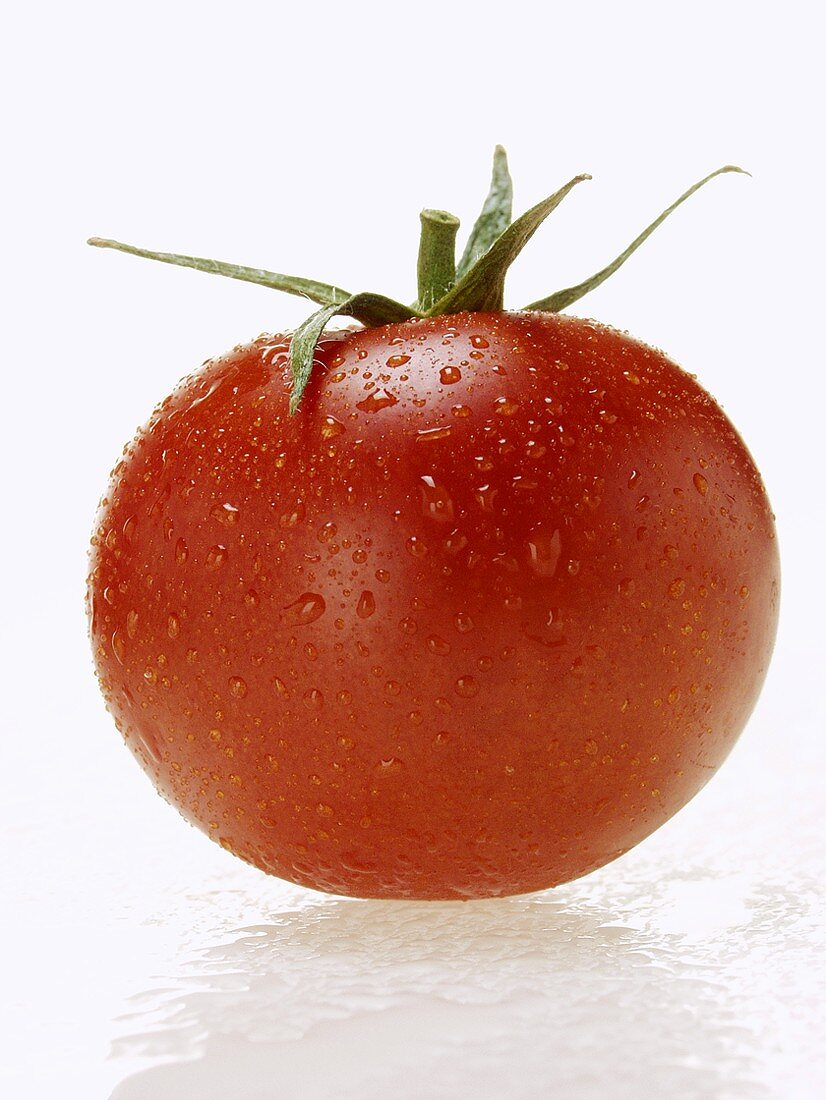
<point x="491" y="609"/>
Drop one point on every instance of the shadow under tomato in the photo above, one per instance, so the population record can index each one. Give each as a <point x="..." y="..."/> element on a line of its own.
<point x="547" y="994"/>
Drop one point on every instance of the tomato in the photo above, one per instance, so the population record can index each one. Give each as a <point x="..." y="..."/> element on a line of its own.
<point x="490" y="609"/>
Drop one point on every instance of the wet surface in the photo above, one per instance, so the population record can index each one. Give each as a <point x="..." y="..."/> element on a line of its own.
<point x="149" y="963"/>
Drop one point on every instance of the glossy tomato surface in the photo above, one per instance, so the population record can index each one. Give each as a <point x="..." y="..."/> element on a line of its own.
<point x="487" y="611"/>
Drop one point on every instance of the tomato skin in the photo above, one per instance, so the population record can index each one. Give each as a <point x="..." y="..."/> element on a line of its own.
<point x="485" y="613"/>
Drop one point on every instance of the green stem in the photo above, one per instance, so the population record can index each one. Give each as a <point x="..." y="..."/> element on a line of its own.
<point x="437" y="256"/>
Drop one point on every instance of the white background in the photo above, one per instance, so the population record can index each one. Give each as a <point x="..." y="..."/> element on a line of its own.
<point x="305" y="138"/>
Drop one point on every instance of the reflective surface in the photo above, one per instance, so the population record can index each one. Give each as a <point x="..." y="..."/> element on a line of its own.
<point x="146" y="963"/>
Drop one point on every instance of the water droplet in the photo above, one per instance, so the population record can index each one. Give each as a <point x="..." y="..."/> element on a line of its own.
<point x="345" y="698"/>
<point x="632" y="480"/>
<point x="331" y="427"/>
<point x="416" y="547"/>
<point x="546" y="629"/>
<point x="359" y="556"/>
<point x="313" y="699"/>
<point x="574" y="567"/>
<point x="398" y="360"/>
<point x="377" y="400"/>
<point x="389" y="766"/>
<point x="324" y="810"/>
<point x="744" y="592"/>
<point x="460" y="411"/>
<point x="181" y="551"/>
<point x="467" y="687"/>
<point x="455" y="542"/>
<point x="700" y="484"/>
<point x="544" y="547"/>
<point x="238" y="687"/>
<point x="441" y="738"/>
<point x="150" y="675"/>
<point x="479" y="342"/>
<point x="463" y="622"/>
<point x="408" y="625"/>
<point x="438" y="645"/>
<point x="215" y="558"/>
<point x="436" y="501"/>
<point x="393" y="687"/>
<point x="327" y="532"/>
<point x="631" y="377"/>
<point x="366" y="605"/>
<point x="432" y="435"/>
<point x="449" y="376"/>
<point x="676" y="588"/>
<point x="150" y="743"/>
<point x="505" y="406"/>
<point x="673" y="695"/>
<point x="306" y="609"/>
<point x="225" y="514"/>
<point x="132" y="624"/>
<point x="118" y="646"/>
<point x="294" y="515"/>
<point x="281" y="688"/>
<point x="173" y="626"/>
<point x="485" y="496"/>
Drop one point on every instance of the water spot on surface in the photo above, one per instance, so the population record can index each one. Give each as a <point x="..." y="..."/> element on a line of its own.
<point x="433" y="435"/>
<point x="294" y="515"/>
<point x="416" y="547"/>
<point x="463" y="622"/>
<point x="389" y="766"/>
<point x="436" y="501"/>
<point x="238" y="686"/>
<point x="377" y="400"/>
<point x="216" y="556"/>
<point x="366" y="605"/>
<point x="467" y="687"/>
<point x="331" y="427"/>
<point x="544" y="549"/>
<point x="225" y="514"/>
<point x="306" y="609"/>
<point x="132" y="624"/>
<point x="313" y="699"/>
<point x="505" y="406"/>
<point x="118" y="646"/>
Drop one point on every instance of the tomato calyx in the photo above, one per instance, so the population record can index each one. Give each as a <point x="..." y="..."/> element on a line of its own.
<point x="475" y="285"/>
